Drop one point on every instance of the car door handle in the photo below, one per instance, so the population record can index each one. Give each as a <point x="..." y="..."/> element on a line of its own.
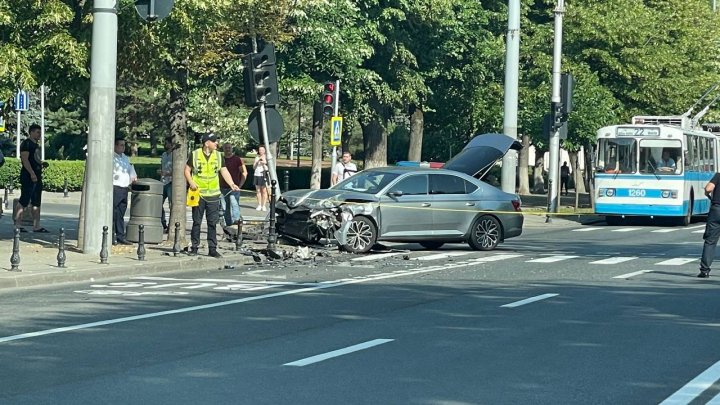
<point x="469" y="204"/>
<point x="425" y="204"/>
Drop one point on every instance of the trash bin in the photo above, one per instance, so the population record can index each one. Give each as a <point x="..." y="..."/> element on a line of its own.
<point x="145" y="209"/>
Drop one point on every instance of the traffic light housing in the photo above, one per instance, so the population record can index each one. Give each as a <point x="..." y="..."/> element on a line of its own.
<point x="260" y="77"/>
<point x="329" y="96"/>
<point x="567" y="83"/>
<point x="557" y="114"/>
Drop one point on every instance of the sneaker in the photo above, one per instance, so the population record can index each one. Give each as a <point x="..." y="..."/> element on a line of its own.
<point x="192" y="252"/>
<point x="264" y="208"/>
<point x="259" y="208"/>
<point x="215" y="254"/>
<point x="704" y="274"/>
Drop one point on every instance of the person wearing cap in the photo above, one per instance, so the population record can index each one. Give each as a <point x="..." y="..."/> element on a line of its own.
<point x="202" y="172"/>
<point x="123" y="176"/>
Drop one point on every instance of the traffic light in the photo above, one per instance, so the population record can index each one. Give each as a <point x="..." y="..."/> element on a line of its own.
<point x="329" y="95"/>
<point x="260" y="77"/>
<point x="566" y="92"/>
<point x="558" y="117"/>
<point x="2" y="116"/>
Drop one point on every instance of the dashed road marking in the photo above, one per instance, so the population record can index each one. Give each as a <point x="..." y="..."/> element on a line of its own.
<point x="614" y="260"/>
<point x="679" y="261"/>
<point x="693" y="389"/>
<point x="636" y="273"/>
<point x="528" y="301"/>
<point x="626" y="229"/>
<point x="551" y="259"/>
<point x="336" y="353"/>
<point x="441" y="256"/>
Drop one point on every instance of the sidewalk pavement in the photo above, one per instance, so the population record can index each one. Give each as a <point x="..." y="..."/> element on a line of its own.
<point x="39" y="251"/>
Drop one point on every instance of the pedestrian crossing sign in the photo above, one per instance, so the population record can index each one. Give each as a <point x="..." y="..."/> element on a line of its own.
<point x="335" y="131"/>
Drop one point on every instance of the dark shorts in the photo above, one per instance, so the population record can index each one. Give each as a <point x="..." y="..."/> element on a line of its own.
<point x="259" y="181"/>
<point x="30" y="193"/>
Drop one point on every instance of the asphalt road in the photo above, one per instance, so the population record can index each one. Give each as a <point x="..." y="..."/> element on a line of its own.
<point x="564" y="314"/>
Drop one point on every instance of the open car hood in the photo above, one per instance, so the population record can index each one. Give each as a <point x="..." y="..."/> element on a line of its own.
<point x="481" y="153"/>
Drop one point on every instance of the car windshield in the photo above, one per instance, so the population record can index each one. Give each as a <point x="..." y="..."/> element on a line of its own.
<point x="369" y="182"/>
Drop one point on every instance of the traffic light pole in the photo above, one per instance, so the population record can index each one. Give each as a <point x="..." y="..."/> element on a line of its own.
<point x="553" y="173"/>
<point x="512" y="67"/>
<point x="268" y="152"/>
<point x="336" y="110"/>
<point x="17" y="134"/>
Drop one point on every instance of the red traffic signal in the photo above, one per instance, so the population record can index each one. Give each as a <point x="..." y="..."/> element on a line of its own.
<point x="328" y="99"/>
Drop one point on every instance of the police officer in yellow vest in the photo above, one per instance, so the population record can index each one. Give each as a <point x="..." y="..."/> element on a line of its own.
<point x="202" y="172"/>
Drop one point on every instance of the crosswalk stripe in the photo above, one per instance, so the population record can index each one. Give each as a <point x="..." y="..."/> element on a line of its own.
<point x="626" y="229"/>
<point x="636" y="273"/>
<point x="551" y="259"/>
<point x="664" y="230"/>
<point x="700" y="231"/>
<point x="377" y="256"/>
<point x="696" y="227"/>
<point x="676" y="262"/>
<point x="441" y="256"/>
<point x="614" y="260"/>
<point x="496" y="258"/>
<point x="587" y="229"/>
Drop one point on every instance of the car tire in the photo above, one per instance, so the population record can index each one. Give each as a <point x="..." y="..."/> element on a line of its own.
<point x="485" y="233"/>
<point x="431" y="245"/>
<point x="361" y="235"/>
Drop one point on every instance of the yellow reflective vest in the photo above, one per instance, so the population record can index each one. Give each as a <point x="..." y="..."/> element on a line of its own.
<point x="206" y="172"/>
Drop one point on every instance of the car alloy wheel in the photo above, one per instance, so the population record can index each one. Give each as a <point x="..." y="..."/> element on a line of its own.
<point x="361" y="235"/>
<point x="485" y="233"/>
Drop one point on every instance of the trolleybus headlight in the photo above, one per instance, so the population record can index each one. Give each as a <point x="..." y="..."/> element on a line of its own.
<point x="610" y="192"/>
<point x="665" y="194"/>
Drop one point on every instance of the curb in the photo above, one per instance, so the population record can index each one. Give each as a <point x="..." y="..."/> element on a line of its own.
<point x="101" y="272"/>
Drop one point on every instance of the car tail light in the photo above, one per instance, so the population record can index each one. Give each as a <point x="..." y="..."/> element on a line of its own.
<point x="516" y="204"/>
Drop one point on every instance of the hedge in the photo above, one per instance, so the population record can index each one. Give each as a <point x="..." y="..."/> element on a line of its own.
<point x="53" y="176"/>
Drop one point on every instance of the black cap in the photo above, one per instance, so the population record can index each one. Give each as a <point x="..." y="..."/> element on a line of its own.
<point x="209" y="137"/>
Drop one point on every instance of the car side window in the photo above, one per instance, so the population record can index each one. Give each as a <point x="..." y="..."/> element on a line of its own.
<point x="413" y="185"/>
<point x="446" y="184"/>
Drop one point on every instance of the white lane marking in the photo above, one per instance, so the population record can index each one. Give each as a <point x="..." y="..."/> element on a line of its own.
<point x="664" y="230"/>
<point x="551" y="259"/>
<point x="337" y="353"/>
<point x="614" y="260"/>
<point x="528" y="300"/>
<point x="715" y="400"/>
<point x="626" y="230"/>
<point x="695" y="387"/>
<point x="495" y="258"/>
<point x="441" y="256"/>
<point x="338" y="283"/>
<point x="696" y="227"/>
<point x="636" y="273"/>
<point x="587" y="229"/>
<point x="700" y="231"/>
<point x="377" y="256"/>
<point x="676" y="262"/>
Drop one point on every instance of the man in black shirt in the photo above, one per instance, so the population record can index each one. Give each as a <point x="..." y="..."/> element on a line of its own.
<point x="30" y="179"/>
<point x="712" y="226"/>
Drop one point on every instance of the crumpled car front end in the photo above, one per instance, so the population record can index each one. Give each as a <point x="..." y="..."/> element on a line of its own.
<point x="316" y="215"/>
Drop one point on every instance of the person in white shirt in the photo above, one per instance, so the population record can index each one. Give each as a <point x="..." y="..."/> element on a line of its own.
<point x="343" y="169"/>
<point x="123" y="176"/>
<point x="260" y="179"/>
<point x="666" y="163"/>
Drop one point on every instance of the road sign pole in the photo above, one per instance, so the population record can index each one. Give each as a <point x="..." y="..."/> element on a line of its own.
<point x="336" y="111"/>
<point x="42" y="122"/>
<point x="266" y="142"/>
<point x="17" y="134"/>
<point x="554" y="172"/>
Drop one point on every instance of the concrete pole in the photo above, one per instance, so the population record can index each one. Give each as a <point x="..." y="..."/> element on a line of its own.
<point x="512" y="66"/>
<point x="101" y="134"/>
<point x="554" y="172"/>
<point x="42" y="122"/>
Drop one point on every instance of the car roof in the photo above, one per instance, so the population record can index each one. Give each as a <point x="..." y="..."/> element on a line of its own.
<point x="407" y="169"/>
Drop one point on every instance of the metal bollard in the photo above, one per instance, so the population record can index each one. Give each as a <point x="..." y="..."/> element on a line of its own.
<point x="176" y="243"/>
<point x="104" y="249"/>
<point x="239" y="236"/>
<point x="141" y="243"/>
<point x="272" y="237"/>
<point x="15" y="257"/>
<point x="286" y="181"/>
<point x="61" y="249"/>
<point x="11" y="188"/>
<point x="65" y="189"/>
<point x="7" y="203"/>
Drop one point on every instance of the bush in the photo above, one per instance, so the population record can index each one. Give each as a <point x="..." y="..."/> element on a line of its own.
<point x="53" y="176"/>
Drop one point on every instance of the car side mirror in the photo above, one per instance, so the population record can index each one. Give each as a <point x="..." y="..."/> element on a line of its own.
<point x="395" y="193"/>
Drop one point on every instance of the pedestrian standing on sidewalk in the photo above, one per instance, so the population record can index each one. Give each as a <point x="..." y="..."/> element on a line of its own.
<point x="712" y="227"/>
<point x="166" y="178"/>
<point x="238" y="172"/>
<point x="202" y="172"/>
<point x="259" y="179"/>
<point x="31" y="184"/>
<point x="123" y="176"/>
<point x="343" y="169"/>
<point x="564" y="177"/>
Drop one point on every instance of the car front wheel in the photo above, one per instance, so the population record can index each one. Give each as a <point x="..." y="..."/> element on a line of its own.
<point x="361" y="235"/>
<point x="485" y="233"/>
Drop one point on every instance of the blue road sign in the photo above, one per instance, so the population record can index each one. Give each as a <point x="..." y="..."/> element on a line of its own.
<point x="335" y="131"/>
<point x="21" y="101"/>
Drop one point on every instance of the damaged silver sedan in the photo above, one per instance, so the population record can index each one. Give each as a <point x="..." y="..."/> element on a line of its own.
<point x="405" y="204"/>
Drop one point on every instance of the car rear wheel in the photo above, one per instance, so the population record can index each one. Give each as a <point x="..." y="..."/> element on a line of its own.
<point x="361" y="235"/>
<point x="485" y="233"/>
<point x="431" y="245"/>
